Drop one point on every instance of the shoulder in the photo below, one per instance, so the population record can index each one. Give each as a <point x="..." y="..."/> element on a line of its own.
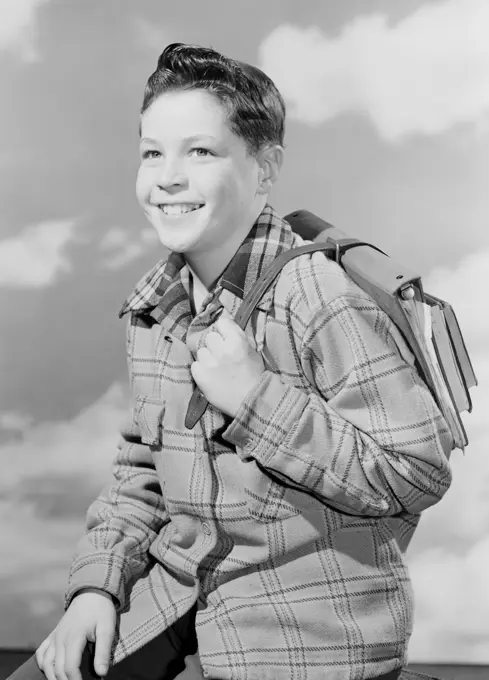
<point x="325" y="307"/>
<point x="313" y="283"/>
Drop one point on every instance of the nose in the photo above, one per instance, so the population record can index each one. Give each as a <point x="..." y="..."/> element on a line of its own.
<point x="171" y="175"/>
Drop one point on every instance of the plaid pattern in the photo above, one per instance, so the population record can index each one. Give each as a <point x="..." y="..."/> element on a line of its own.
<point x="287" y="524"/>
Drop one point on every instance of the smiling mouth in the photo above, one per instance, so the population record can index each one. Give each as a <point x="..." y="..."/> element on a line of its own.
<point x="178" y="209"/>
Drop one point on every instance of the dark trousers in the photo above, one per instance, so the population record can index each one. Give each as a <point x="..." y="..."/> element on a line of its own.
<point x="172" y="655"/>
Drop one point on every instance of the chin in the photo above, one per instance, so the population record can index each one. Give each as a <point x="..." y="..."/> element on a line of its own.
<point x="176" y="245"/>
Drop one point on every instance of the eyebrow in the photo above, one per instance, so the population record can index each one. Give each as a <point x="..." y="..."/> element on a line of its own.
<point x="192" y="138"/>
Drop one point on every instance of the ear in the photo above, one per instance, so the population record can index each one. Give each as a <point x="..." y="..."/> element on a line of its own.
<point x="270" y="160"/>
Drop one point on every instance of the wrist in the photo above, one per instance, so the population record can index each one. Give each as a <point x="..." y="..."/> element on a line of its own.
<point x="248" y="388"/>
<point x="95" y="591"/>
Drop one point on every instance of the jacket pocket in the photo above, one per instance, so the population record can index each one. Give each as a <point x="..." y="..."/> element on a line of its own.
<point x="149" y="416"/>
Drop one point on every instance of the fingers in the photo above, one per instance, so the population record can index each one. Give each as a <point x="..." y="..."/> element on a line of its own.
<point x="103" y="647"/>
<point x="223" y="340"/>
<point x="234" y="338"/>
<point x="73" y="657"/>
<point x="48" y="662"/>
<point x="214" y="342"/>
<point x="228" y="328"/>
<point x="204" y="356"/>
<point x="41" y="651"/>
<point x="225" y="336"/>
<point x="59" y="663"/>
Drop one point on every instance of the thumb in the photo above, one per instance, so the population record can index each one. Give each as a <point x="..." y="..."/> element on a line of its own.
<point x="228" y="328"/>
<point x="104" y="637"/>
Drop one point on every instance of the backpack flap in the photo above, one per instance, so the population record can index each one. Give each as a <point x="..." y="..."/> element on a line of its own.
<point x="369" y="267"/>
<point x="311" y="227"/>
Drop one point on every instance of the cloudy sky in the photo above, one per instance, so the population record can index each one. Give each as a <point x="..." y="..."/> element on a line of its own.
<point x="388" y="138"/>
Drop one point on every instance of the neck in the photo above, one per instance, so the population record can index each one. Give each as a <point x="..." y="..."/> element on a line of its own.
<point x="210" y="264"/>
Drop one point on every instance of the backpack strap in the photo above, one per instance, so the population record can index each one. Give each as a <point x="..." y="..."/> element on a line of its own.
<point x="331" y="248"/>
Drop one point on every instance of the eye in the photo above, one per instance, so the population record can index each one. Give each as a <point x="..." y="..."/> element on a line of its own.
<point x="201" y="152"/>
<point x="150" y="153"/>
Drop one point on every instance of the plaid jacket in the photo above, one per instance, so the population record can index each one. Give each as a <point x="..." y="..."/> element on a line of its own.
<point x="287" y="524"/>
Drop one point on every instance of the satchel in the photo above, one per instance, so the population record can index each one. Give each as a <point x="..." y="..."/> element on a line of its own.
<point x="428" y="324"/>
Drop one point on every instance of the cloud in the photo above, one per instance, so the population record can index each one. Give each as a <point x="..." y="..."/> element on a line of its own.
<point x="51" y="475"/>
<point x="425" y="74"/>
<point x="456" y="587"/>
<point x="466" y="287"/>
<point x="449" y="554"/>
<point x="14" y="421"/>
<point x="55" y="495"/>
<point x="36" y="257"/>
<point x="17" y="27"/>
<point x="150" y="36"/>
<point x="82" y="447"/>
<point x="120" y="249"/>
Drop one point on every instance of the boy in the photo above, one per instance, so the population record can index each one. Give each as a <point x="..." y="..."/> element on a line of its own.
<point x="271" y="532"/>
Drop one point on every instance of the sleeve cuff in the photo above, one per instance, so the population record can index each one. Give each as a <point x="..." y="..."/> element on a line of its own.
<point x="104" y="571"/>
<point x="266" y="418"/>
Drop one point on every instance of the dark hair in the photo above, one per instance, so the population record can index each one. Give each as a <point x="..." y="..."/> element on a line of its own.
<point x="255" y="108"/>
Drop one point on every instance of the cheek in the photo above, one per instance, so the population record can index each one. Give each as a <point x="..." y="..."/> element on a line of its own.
<point x="227" y="192"/>
<point x="143" y="186"/>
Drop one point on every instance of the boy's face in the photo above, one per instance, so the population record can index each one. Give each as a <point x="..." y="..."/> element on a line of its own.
<point x="197" y="184"/>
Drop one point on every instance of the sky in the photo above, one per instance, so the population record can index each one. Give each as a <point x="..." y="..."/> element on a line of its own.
<point x="387" y="138"/>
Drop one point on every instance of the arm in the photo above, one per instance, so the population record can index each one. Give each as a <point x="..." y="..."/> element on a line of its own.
<point x="367" y="438"/>
<point x="121" y="523"/>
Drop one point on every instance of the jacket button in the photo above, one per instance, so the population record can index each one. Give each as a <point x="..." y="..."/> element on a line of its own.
<point x="248" y="444"/>
<point x="206" y="528"/>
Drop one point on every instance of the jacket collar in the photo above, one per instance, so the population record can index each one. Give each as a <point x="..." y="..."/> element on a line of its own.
<point x="162" y="287"/>
<point x="269" y="237"/>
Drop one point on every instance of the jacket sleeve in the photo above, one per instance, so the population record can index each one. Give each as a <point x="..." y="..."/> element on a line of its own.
<point x="366" y="436"/>
<point x="122" y="523"/>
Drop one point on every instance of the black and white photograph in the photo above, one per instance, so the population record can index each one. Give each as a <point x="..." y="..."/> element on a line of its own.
<point x="244" y="340"/>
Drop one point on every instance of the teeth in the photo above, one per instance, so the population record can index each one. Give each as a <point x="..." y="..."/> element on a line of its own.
<point x="178" y="209"/>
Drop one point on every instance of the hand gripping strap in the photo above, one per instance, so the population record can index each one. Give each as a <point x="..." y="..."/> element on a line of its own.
<point x="331" y="248"/>
<point x="198" y="403"/>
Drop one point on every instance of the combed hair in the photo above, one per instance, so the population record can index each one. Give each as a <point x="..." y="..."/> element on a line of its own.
<point x="255" y="107"/>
